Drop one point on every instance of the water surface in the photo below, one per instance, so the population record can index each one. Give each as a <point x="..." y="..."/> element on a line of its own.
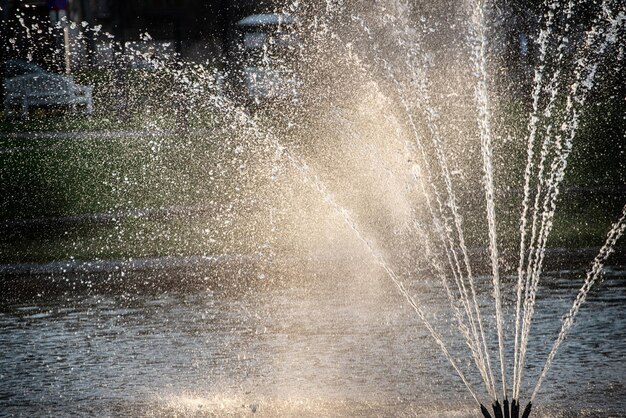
<point x="316" y="347"/>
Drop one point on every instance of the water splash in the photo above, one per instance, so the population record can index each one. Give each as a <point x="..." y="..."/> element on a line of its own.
<point x="616" y="232"/>
<point x="575" y="100"/>
<point x="479" y="59"/>
<point x="440" y="220"/>
<point x="434" y="172"/>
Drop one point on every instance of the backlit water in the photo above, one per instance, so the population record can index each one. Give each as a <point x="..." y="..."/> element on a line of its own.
<point x="319" y="347"/>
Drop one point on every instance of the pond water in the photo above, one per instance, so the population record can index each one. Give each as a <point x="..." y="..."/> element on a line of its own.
<point x="314" y="347"/>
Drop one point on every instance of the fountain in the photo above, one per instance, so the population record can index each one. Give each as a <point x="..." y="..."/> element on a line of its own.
<point x="386" y="130"/>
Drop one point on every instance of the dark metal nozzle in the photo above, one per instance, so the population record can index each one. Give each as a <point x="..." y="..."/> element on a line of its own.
<point x="526" y="413"/>
<point x="497" y="409"/>
<point x="507" y="410"/>
<point x="514" y="408"/>
<point x="504" y="411"/>
<point x="485" y="411"/>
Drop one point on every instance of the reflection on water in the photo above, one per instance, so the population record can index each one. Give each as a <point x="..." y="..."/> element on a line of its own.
<point x="320" y="348"/>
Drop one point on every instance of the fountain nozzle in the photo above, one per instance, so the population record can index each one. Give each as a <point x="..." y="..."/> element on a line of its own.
<point x="497" y="409"/>
<point x="503" y="411"/>
<point x="485" y="411"/>
<point x="515" y="409"/>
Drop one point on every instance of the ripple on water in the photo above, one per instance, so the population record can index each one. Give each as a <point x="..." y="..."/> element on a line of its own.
<point x="294" y="351"/>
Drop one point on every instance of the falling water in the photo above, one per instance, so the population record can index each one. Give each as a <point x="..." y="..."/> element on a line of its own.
<point x="473" y="313"/>
<point x="544" y="35"/>
<point x="593" y="274"/>
<point x="559" y="164"/>
<point x="433" y="175"/>
<point x="484" y="121"/>
<point x="553" y="90"/>
<point x="310" y="178"/>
